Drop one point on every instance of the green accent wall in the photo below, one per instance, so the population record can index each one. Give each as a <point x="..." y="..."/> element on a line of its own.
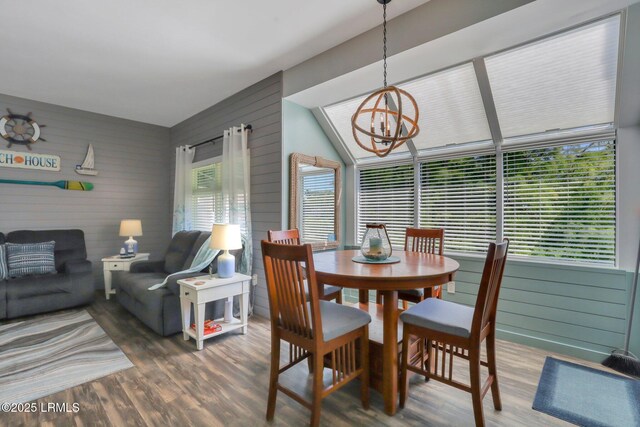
<point x="575" y="310"/>
<point x="301" y="133"/>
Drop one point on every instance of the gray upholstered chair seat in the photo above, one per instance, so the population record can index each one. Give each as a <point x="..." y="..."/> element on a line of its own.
<point x="338" y="319"/>
<point x="442" y="316"/>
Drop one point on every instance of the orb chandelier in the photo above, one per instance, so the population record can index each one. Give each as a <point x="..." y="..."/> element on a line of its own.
<point x="394" y="126"/>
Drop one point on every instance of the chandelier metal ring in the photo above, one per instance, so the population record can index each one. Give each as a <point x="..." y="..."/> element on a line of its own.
<point x="383" y="142"/>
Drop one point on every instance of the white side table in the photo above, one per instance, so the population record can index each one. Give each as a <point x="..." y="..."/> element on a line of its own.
<point x="115" y="263"/>
<point x="201" y="290"/>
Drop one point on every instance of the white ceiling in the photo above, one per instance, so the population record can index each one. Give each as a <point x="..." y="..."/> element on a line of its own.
<point x="161" y="61"/>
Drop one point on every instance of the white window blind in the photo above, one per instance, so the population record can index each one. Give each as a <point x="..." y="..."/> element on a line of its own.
<point x="562" y="82"/>
<point x="559" y="202"/>
<point x="451" y="109"/>
<point x="459" y="195"/>
<point x="386" y="195"/>
<point x="318" y="207"/>
<point x="206" y="196"/>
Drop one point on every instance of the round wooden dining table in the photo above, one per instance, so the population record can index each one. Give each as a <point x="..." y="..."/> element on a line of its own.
<point x="415" y="270"/>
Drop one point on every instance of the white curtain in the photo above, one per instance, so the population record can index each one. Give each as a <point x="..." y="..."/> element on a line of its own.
<point x="182" y="189"/>
<point x="235" y="188"/>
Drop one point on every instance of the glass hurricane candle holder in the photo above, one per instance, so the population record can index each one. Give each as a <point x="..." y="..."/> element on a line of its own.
<point x="376" y="245"/>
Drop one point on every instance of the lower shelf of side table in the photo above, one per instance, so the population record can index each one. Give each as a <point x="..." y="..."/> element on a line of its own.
<point x="226" y="327"/>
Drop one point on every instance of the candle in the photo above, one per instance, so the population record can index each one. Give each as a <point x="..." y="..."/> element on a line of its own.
<point x="375" y="245"/>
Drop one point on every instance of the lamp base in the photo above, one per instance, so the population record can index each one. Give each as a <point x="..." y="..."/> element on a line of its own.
<point x="226" y="265"/>
<point x="131" y="246"/>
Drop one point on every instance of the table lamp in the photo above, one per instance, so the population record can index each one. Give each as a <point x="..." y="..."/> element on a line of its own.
<point x="225" y="237"/>
<point x="131" y="228"/>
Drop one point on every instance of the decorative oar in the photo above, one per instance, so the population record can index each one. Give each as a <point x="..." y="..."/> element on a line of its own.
<point x="65" y="185"/>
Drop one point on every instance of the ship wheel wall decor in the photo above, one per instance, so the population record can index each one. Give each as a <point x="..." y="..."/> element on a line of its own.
<point x="20" y="129"/>
<point x="396" y="126"/>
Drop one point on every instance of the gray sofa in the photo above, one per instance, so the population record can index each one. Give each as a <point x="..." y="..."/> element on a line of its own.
<point x="160" y="309"/>
<point x="71" y="286"/>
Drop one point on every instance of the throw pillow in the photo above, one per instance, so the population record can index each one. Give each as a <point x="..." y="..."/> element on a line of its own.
<point x="4" y="270"/>
<point x="30" y="258"/>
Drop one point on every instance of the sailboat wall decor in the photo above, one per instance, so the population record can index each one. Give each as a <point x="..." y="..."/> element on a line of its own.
<point x="87" y="167"/>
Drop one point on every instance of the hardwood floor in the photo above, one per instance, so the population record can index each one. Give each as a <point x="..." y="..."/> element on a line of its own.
<point x="226" y="385"/>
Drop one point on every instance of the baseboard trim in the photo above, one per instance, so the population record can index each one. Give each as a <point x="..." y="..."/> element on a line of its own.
<point x="557" y="347"/>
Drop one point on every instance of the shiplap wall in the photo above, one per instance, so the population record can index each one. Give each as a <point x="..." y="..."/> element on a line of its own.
<point x="261" y="106"/>
<point x="576" y="310"/>
<point x="569" y="309"/>
<point x="132" y="161"/>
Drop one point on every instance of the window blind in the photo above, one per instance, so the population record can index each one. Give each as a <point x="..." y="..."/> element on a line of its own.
<point x="451" y="102"/>
<point x="561" y="82"/>
<point x="206" y="195"/>
<point x="386" y="195"/>
<point x="318" y="206"/>
<point x="459" y="195"/>
<point x="560" y="202"/>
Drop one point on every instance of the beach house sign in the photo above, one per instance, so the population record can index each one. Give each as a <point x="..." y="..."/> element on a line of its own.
<point x="14" y="159"/>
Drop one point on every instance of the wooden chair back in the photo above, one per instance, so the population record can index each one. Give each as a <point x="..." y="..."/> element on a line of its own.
<point x="426" y="240"/>
<point x="285" y="267"/>
<point x="487" y="302"/>
<point x="286" y="237"/>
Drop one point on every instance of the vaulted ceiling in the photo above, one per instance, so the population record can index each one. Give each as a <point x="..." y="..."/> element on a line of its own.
<point x="161" y="61"/>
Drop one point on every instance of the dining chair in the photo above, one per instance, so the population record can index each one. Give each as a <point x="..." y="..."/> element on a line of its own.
<point x="425" y="240"/>
<point x="292" y="237"/>
<point x="314" y="329"/>
<point x="458" y="330"/>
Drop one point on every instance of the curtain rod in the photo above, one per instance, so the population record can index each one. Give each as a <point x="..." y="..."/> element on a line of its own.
<point x="247" y="127"/>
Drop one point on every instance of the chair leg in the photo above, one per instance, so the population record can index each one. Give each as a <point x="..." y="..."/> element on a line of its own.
<point x="273" y="378"/>
<point x="364" y="363"/>
<point x="405" y="304"/>
<point x="427" y="346"/>
<point x="404" y="382"/>
<point x="310" y="363"/>
<point x="476" y="388"/>
<point x="339" y="297"/>
<point x="378" y="297"/>
<point x="493" y="370"/>
<point x="317" y="389"/>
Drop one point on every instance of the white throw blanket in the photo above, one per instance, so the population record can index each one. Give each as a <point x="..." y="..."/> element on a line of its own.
<point x="203" y="258"/>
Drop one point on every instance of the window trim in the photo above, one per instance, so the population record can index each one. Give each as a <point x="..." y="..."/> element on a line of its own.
<point x="206" y="162"/>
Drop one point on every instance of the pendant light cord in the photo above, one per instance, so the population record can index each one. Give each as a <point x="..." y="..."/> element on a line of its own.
<point x="384" y="52"/>
<point x="384" y="41"/>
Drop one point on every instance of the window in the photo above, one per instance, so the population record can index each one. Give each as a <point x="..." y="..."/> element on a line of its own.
<point x="551" y="166"/>
<point x="386" y="195"/>
<point x="559" y="202"/>
<point x="206" y="196"/>
<point x="562" y="82"/>
<point x="450" y="106"/>
<point x="459" y="195"/>
<point x="318" y="206"/>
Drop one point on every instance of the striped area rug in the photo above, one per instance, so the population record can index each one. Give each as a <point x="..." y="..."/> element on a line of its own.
<point x="42" y="356"/>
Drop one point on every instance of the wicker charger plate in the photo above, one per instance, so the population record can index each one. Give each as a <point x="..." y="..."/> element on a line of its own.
<point x="361" y="259"/>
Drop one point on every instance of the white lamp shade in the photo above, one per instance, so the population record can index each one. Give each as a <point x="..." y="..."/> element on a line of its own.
<point x="130" y="227"/>
<point x="225" y="237"/>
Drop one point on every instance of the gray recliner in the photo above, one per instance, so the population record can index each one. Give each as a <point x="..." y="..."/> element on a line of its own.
<point x="160" y="309"/>
<point x="71" y="285"/>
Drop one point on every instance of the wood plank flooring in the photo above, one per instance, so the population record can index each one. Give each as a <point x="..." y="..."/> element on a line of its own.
<point x="226" y="385"/>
